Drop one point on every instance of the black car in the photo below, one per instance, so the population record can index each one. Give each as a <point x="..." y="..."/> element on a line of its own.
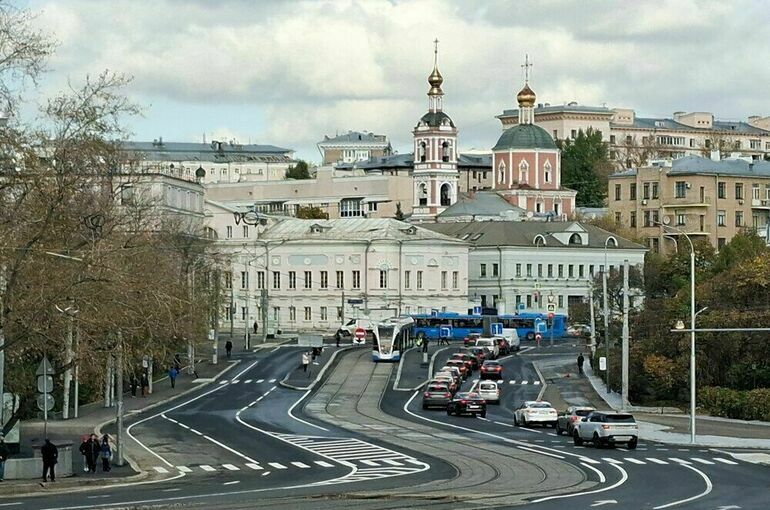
<point x="436" y="395"/>
<point x="467" y="403"/>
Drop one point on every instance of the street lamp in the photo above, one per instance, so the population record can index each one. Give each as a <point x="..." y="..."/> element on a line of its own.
<point x="606" y="314"/>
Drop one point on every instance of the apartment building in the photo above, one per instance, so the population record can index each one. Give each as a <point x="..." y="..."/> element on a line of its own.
<point x="704" y="198"/>
<point x="353" y="146"/>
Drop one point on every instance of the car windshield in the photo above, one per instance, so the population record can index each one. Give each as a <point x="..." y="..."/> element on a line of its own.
<point x="490" y="363"/>
<point x="437" y="389"/>
<point x="540" y="405"/>
<point x="583" y="412"/>
<point x="488" y="386"/>
<point x="619" y="418"/>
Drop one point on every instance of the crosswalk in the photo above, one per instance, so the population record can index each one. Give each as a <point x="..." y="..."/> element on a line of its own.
<point x="247" y="381"/>
<point x="640" y="461"/>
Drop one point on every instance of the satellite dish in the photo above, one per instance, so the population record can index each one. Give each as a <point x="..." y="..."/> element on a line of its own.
<point x="666" y="220"/>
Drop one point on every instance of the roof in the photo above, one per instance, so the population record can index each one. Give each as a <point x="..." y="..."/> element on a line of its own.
<point x="524" y="136"/>
<point x="705" y="166"/>
<point x="436" y="119"/>
<point x="523" y="233"/>
<point x="213" y="152"/>
<point x="564" y="108"/>
<point x="407" y="161"/>
<point x="480" y="204"/>
<point x="356" y="137"/>
<point x="737" y="127"/>
<point x="352" y="229"/>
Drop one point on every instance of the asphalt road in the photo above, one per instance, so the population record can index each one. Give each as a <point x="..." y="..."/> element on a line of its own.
<point x="354" y="442"/>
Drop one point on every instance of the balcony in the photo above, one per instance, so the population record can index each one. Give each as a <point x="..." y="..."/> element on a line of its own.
<point x="686" y="202"/>
<point x="757" y="203"/>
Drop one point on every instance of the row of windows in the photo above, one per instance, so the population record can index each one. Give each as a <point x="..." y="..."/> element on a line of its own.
<point x="681" y="141"/>
<point x="547" y="270"/>
<point x="529" y="299"/>
<point x="524" y="172"/>
<point x="651" y="219"/>
<point x="650" y="190"/>
<point x="307" y="314"/>
<point x="323" y="280"/>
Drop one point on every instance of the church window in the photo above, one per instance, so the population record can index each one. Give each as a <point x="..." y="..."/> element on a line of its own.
<point x="422" y="193"/>
<point x="501" y="172"/>
<point x="539" y="207"/>
<point x="547" y="171"/>
<point x="523" y="171"/>
<point x="422" y="152"/>
<point x="445" y="152"/>
<point x="446" y="194"/>
<point x="557" y="208"/>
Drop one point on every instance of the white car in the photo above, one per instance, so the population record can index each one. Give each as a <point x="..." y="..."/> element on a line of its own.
<point x="491" y="344"/>
<point x="535" y="412"/>
<point x="454" y="370"/>
<point x="489" y="391"/>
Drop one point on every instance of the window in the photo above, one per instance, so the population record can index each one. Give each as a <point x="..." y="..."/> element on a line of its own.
<point x="351" y="207"/>
<point x="680" y="189"/>
<point x="646" y="191"/>
<point x="372" y="206"/>
<point x="561" y="271"/>
<point x="407" y="279"/>
<point x="308" y="313"/>
<point x="632" y="219"/>
<point x="574" y="134"/>
<point x="501" y="171"/>
<point x="654" y="190"/>
<point x="276" y="313"/>
<point x="495" y="269"/>
<point x="561" y="301"/>
<point x="617" y="191"/>
<point x="322" y="311"/>
<point x="738" y="218"/>
<point x="721" y="192"/>
<point x="422" y="193"/>
<point x="340" y="280"/>
<point x="244" y="279"/>
<point x="229" y="234"/>
<point x="681" y="219"/>
<point x="244" y="311"/>
<point x="580" y="270"/>
<point x="755" y="192"/>
<point x="632" y="191"/>
<point x="445" y="152"/>
<point x="308" y="280"/>
<point x="260" y="279"/>
<point x="419" y="280"/>
<point x="523" y="171"/>
<point x="228" y="278"/>
<point x="540" y="270"/>
<point x="483" y="270"/>
<point x="738" y="191"/>
<point x="292" y="279"/>
<point x="529" y="301"/>
<point x="721" y="215"/>
<point x="529" y="270"/>
<point x="383" y="278"/>
<point x="612" y="139"/>
<point x="618" y="217"/>
<point x="292" y="313"/>
<point x="547" y="171"/>
<point x="721" y="243"/>
<point x="443" y="279"/>
<point x="455" y="279"/>
<point x="245" y="231"/>
<point x="276" y="280"/>
<point x="591" y="270"/>
<point x="571" y="271"/>
<point x="518" y="270"/>
<point x="550" y="270"/>
<point x="356" y="279"/>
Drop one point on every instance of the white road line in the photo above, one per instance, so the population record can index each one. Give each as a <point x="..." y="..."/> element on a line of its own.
<point x="196" y="432"/>
<point x="623" y="478"/>
<point x="223" y="382"/>
<point x="611" y="460"/>
<point x="231" y="450"/>
<point x="184" y="469"/>
<point x="726" y="461"/>
<point x="702" y="461"/>
<point x="255" y="467"/>
<point x="590" y="461"/>
<point x="662" y="449"/>
<point x="260" y="381"/>
<point x="247" y="381"/>
<point x="482" y="418"/>
<point x="709" y="488"/>
<point x="502" y="423"/>
<point x="536" y="383"/>
<point x="524" y="382"/>
<point x="276" y="465"/>
<point x="301" y="420"/>
<point x="271" y="381"/>
<point x="176" y="489"/>
<point x="206" y="467"/>
<point x="634" y="461"/>
<point x="300" y="465"/>
<point x="680" y="461"/>
<point x="512" y="382"/>
<point x="230" y="467"/>
<point x="266" y="473"/>
<point x="232" y="483"/>
<point x="180" y="424"/>
<point x="392" y="462"/>
<point x="602" y="479"/>
<point x="323" y="463"/>
<point x="235" y="381"/>
<point x="369" y="463"/>
<point x="10" y="504"/>
<point x="171" y="419"/>
<point x="657" y="461"/>
<point x="159" y="469"/>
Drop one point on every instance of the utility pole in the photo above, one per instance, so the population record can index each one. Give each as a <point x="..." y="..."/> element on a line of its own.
<point x="625" y="335"/>
<point x="68" y="363"/>
<point x="246" y="325"/>
<point x="593" y="319"/>
<point x="77" y="373"/>
<point x="2" y="347"/>
<point x="119" y="392"/>
<point x="108" y="381"/>
<point x="190" y="340"/>
<point x="264" y="307"/>
<point x="606" y="317"/>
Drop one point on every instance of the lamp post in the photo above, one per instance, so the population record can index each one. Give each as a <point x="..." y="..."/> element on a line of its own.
<point x="606" y="314"/>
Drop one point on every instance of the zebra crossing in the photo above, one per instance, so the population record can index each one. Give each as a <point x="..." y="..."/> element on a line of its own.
<point x="641" y="461"/>
<point x="247" y="381"/>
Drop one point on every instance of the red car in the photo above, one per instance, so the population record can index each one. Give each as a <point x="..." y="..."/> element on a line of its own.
<point x="470" y="361"/>
<point x="470" y="340"/>
<point x="480" y="353"/>
<point x="460" y="364"/>
<point x="491" y="370"/>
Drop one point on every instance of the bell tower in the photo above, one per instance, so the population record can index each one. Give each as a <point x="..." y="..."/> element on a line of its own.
<point x="435" y="173"/>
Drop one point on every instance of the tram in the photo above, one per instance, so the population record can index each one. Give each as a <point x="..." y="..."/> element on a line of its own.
<point x="391" y="337"/>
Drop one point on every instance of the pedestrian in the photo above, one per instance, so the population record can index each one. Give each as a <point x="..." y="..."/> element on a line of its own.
<point x="228" y="348"/>
<point x="172" y="373"/>
<point x="145" y="383"/>
<point x="425" y="344"/>
<point x="4" y="454"/>
<point x="580" y="360"/>
<point x="256" y="327"/>
<point x="50" y="455"/>
<point x="106" y="453"/>
<point x="337" y="337"/>
<point x="305" y="360"/>
<point x="83" y="447"/>
<point x="91" y="450"/>
<point x="133" y="383"/>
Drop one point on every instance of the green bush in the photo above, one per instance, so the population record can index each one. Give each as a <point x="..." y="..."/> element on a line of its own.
<point x="742" y="405"/>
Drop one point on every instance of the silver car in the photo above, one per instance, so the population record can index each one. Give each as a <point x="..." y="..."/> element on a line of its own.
<point x="606" y="428"/>
<point x="568" y="419"/>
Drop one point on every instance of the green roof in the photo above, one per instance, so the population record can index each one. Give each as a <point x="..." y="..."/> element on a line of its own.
<point x="525" y="136"/>
<point x="436" y="119"/>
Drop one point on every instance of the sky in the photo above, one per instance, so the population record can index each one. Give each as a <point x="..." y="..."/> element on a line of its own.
<point x="287" y="73"/>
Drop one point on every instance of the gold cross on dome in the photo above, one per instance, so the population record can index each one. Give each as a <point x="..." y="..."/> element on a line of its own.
<point x="526" y="65"/>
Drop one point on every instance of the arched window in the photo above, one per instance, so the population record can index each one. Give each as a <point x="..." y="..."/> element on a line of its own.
<point x="612" y="242"/>
<point x="575" y="239"/>
<point x="445" y="152"/>
<point x="446" y="194"/>
<point x="547" y="171"/>
<point x="422" y="152"/>
<point x="539" y="240"/>
<point x="501" y="171"/>
<point x="523" y="171"/>
<point x="422" y="194"/>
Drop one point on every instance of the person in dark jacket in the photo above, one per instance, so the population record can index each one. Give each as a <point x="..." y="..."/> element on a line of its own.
<point x="50" y="456"/>
<point x="133" y="383"/>
<point x="91" y="450"/>
<point x="145" y="383"/>
<point x="172" y="373"/>
<point x="580" y="360"/>
<point x="106" y="453"/>
<point x="228" y="348"/>
<point x="4" y="454"/>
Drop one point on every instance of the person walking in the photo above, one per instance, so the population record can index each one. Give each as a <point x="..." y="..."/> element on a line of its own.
<point x="256" y="327"/>
<point x="228" y="348"/>
<point x="337" y="337"/>
<point x="106" y="453"/>
<point x="425" y="344"/>
<point x="91" y="450"/>
<point x="50" y="455"/>
<point x="133" y="383"/>
<point x="83" y="447"/>
<point x="172" y="373"/>
<point x="580" y="360"/>
<point x="4" y="454"/>
<point x="305" y="361"/>
<point x="145" y="383"/>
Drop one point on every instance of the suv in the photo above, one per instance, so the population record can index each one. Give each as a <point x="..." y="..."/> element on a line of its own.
<point x="606" y="428"/>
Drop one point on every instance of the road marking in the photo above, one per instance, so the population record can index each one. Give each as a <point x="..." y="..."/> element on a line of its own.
<point x="272" y="381"/>
<point x="206" y="467"/>
<point x="662" y="449"/>
<point x="247" y="381"/>
<point x="657" y="461"/>
<point x="680" y="461"/>
<point x="223" y="382"/>
<point x="171" y="419"/>
<point x="482" y="418"/>
<point x="299" y="419"/>
<point x="602" y="479"/>
<point x="266" y="473"/>
<point x="255" y="467"/>
<point x="184" y="469"/>
<point x="524" y="382"/>
<point x="503" y="423"/>
<point x="232" y="483"/>
<point x="512" y="382"/>
<point x="180" y="424"/>
<point x="611" y="460"/>
<point x="536" y="383"/>
<point x="195" y="431"/>
<point x="709" y="487"/>
<point x="726" y="461"/>
<point x="301" y="465"/>
<point x="623" y="478"/>
<point x="260" y="381"/>
<point x="702" y="461"/>
<point x="369" y="463"/>
<point x="159" y="469"/>
<point x="392" y="462"/>
<point x="323" y="463"/>
<point x="230" y="467"/>
<point x="633" y="460"/>
<point x="239" y="454"/>
<point x="590" y="461"/>
<point x="176" y="489"/>
<point x="603" y="502"/>
<point x="235" y="381"/>
<point x="10" y="504"/>
<point x="276" y="465"/>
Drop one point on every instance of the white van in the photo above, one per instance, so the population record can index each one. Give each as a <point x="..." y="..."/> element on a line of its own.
<point x="490" y="344"/>
<point x="347" y="329"/>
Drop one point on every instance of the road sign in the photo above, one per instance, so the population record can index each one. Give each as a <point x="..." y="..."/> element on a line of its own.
<point x="550" y="307"/>
<point x="44" y="383"/>
<point x="45" y="399"/>
<point x="538" y="337"/>
<point x="434" y="311"/>
<point x="520" y="307"/>
<point x="602" y="363"/>
<point x="360" y="333"/>
<point x="551" y="298"/>
<point x="445" y="332"/>
<point x="355" y="301"/>
<point x="476" y="310"/>
<point x="44" y="368"/>
<point x="496" y="328"/>
<point x="541" y="326"/>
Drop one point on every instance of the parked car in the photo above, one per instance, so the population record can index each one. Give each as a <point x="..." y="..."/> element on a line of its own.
<point x="471" y="339"/>
<point x="464" y="372"/>
<point x="581" y="330"/>
<point x="534" y="412"/>
<point x="436" y="395"/>
<point x="606" y="428"/>
<point x="467" y="403"/>
<point x="470" y="360"/>
<point x="489" y="391"/>
<point x="491" y="370"/>
<point x="567" y="419"/>
<point x="491" y="344"/>
<point x="447" y="380"/>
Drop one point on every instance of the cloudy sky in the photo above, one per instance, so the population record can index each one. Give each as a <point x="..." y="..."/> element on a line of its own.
<point x="287" y="72"/>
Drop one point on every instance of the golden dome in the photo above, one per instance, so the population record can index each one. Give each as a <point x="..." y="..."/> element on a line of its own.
<point x="435" y="80"/>
<point x="526" y="97"/>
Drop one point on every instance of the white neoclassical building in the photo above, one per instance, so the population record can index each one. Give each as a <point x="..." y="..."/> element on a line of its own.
<point x="312" y="274"/>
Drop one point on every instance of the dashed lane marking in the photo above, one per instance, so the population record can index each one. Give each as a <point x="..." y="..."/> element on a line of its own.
<point x="272" y="381"/>
<point x="259" y="381"/>
<point x="232" y="483"/>
<point x="207" y="468"/>
<point x="369" y="462"/>
<point x="235" y="381"/>
<point x="276" y="465"/>
<point x="184" y="469"/>
<point x="589" y="461"/>
<point x="680" y="461"/>
<point x="160" y="469"/>
<point x="657" y="461"/>
<point x="702" y="461"/>
<point x="536" y="382"/>
<point x="323" y="463"/>
<point x="611" y="460"/>
<point x="633" y="460"/>
<point x="230" y="467"/>
<point x="247" y="381"/>
<point x="301" y="465"/>
<point x="726" y="461"/>
<point x="255" y="467"/>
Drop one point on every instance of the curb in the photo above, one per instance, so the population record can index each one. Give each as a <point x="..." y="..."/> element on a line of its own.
<point x="544" y="384"/>
<point x="283" y="382"/>
<point x="400" y="367"/>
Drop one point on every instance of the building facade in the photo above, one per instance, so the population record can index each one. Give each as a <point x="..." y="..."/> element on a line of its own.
<point x="353" y="146"/>
<point x="710" y="199"/>
<point x="313" y="274"/>
<point x="513" y="262"/>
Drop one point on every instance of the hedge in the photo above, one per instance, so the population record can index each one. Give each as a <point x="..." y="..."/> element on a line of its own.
<point x="741" y="405"/>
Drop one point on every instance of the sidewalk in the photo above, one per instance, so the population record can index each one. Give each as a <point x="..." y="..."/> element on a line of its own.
<point x="92" y="418"/>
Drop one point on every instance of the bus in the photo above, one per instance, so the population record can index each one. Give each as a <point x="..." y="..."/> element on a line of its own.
<point x="391" y="337"/>
<point x="428" y="325"/>
<point x="524" y="324"/>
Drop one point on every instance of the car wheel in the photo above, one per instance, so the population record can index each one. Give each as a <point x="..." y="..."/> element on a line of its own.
<point x="632" y="444"/>
<point x="524" y="422"/>
<point x="530" y="336"/>
<point x="448" y="412"/>
<point x="515" y="421"/>
<point x="576" y="439"/>
<point x="597" y="442"/>
<point x="559" y="430"/>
